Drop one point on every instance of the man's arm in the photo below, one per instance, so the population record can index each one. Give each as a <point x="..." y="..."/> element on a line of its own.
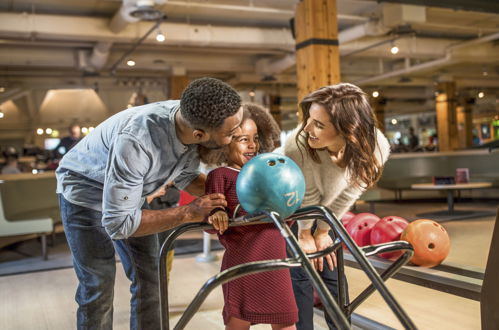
<point x="154" y="221"/>
<point x="196" y="187"/>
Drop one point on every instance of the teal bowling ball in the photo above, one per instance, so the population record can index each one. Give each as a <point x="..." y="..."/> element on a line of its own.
<point x="270" y="182"/>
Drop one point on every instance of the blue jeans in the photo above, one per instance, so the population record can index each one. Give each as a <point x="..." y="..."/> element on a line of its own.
<point x="95" y="266"/>
<point x="304" y="292"/>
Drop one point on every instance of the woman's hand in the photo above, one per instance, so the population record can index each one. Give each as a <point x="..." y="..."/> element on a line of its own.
<point x="322" y="241"/>
<point x="219" y="220"/>
<point x="307" y="244"/>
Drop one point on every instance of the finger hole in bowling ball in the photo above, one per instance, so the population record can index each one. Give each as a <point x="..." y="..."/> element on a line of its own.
<point x="431" y="246"/>
<point x="436" y="224"/>
<point x="271" y="162"/>
<point x="282" y="161"/>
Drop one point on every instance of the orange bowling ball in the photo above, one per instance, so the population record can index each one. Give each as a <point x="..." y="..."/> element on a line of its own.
<point x="430" y="241"/>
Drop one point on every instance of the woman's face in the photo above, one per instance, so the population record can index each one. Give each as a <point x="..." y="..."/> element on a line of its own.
<point x="321" y="132"/>
<point x="244" y="146"/>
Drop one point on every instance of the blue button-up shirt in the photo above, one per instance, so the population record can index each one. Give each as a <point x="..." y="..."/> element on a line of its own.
<point x="124" y="159"/>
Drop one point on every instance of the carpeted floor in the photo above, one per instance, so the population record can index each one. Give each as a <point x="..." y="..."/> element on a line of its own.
<point x="25" y="257"/>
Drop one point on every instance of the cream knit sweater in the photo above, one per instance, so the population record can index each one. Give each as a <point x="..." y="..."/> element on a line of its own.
<point x="326" y="183"/>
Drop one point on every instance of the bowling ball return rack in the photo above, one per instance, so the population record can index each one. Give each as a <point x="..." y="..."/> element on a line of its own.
<point x="339" y="310"/>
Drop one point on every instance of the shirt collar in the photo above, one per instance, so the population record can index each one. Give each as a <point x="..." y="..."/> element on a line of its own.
<point x="177" y="144"/>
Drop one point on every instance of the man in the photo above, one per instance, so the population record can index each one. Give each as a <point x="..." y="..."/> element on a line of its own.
<point x="413" y="140"/>
<point x="103" y="181"/>
<point x="68" y="142"/>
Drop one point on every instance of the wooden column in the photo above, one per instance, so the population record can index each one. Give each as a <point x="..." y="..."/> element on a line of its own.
<point x="275" y="108"/>
<point x="446" y="117"/>
<point x="378" y="106"/>
<point x="464" y="125"/>
<point x="177" y="86"/>
<point x="317" y="51"/>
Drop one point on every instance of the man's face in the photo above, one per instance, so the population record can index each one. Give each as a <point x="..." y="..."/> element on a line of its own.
<point x="222" y="136"/>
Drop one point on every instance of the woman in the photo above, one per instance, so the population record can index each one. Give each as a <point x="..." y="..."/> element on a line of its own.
<point x="341" y="154"/>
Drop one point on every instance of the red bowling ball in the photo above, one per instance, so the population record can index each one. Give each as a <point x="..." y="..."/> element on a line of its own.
<point x="345" y="219"/>
<point x="359" y="228"/>
<point x="388" y="229"/>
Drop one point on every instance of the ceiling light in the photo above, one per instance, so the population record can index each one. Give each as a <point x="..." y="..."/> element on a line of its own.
<point x="84" y="130"/>
<point x="130" y="63"/>
<point x="481" y="95"/>
<point x="91" y="128"/>
<point x="48" y="131"/>
<point x="1" y="114"/>
<point x="375" y="94"/>
<point x="394" y="50"/>
<point x="160" y="37"/>
<point x="394" y="121"/>
<point x="39" y="131"/>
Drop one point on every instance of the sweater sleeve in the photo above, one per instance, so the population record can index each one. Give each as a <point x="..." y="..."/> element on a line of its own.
<point x="312" y="194"/>
<point x="342" y="203"/>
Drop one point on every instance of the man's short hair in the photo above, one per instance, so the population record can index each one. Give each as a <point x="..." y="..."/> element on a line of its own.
<point x="207" y="102"/>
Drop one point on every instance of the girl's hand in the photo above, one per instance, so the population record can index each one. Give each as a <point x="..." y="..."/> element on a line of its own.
<point x="219" y="220"/>
<point x="323" y="241"/>
<point x="307" y="244"/>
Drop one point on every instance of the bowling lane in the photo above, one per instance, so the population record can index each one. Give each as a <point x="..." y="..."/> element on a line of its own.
<point x="429" y="309"/>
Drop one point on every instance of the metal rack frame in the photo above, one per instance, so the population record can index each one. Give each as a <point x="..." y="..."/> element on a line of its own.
<point x="339" y="310"/>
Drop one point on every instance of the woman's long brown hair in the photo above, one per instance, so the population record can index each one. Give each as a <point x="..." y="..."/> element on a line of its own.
<point x="353" y="118"/>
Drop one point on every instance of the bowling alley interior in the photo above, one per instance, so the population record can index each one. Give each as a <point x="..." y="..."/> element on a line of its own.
<point x="417" y="249"/>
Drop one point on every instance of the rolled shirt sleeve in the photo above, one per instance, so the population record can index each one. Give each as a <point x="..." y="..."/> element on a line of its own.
<point x="127" y="165"/>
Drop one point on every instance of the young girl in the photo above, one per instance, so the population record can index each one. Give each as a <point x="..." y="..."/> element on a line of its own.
<point x="264" y="297"/>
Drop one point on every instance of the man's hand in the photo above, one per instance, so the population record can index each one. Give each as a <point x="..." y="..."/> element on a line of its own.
<point x="158" y="193"/>
<point x="323" y="241"/>
<point x="219" y="220"/>
<point x="201" y="207"/>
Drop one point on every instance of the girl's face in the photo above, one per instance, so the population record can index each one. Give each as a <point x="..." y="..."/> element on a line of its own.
<point x="244" y="146"/>
<point x="321" y="132"/>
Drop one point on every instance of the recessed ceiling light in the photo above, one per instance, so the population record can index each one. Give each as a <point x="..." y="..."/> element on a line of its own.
<point x="481" y="95"/>
<point x="375" y="94"/>
<point x="130" y="63"/>
<point x="394" y="50"/>
<point x="160" y="37"/>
